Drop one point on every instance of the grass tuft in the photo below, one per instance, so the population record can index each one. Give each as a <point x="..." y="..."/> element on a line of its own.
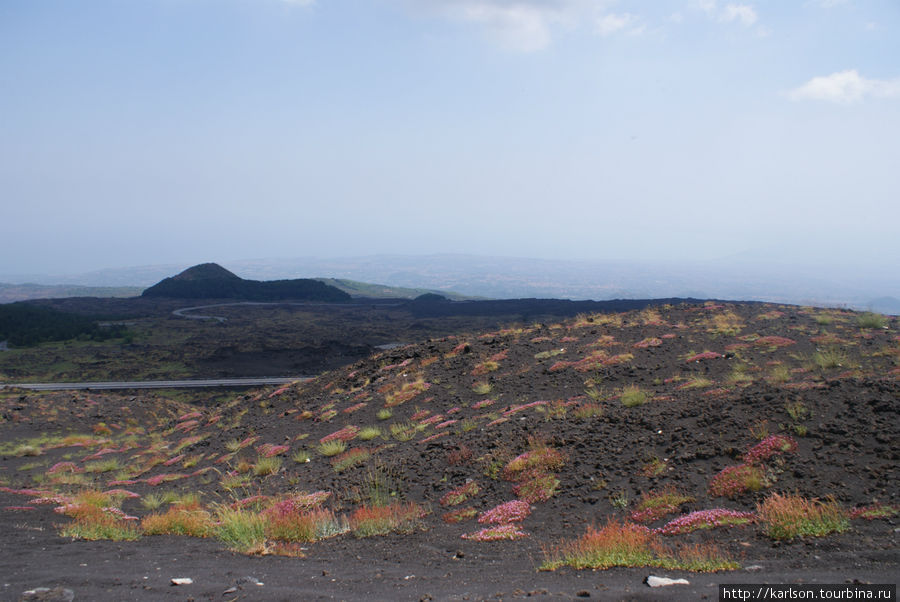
<point x="790" y="516"/>
<point x="871" y="320"/>
<point x="402" y="517"/>
<point x="266" y="465"/>
<point x="630" y="545"/>
<point x="243" y="531"/>
<point x="333" y="447"/>
<point x="633" y="396"/>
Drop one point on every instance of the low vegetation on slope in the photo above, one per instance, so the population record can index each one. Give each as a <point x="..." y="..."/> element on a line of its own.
<point x="681" y="437"/>
<point x="23" y="324"/>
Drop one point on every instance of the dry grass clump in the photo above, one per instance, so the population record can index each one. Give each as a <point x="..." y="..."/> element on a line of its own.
<point x="403" y="517"/>
<point x="482" y="388"/>
<point x="303" y="525"/>
<point x="404" y="431"/>
<point x="725" y="323"/>
<point x="630" y="545"/>
<point x="406" y="392"/>
<point x="871" y="320"/>
<point x="190" y="520"/>
<point x="790" y="516"/>
<point x="583" y="411"/>
<point x="830" y="358"/>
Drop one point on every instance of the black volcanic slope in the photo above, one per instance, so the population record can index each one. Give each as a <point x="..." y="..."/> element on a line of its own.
<point x="683" y="432"/>
<point x="212" y="281"/>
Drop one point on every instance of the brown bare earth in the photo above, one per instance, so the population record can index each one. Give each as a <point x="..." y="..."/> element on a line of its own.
<point x="546" y="413"/>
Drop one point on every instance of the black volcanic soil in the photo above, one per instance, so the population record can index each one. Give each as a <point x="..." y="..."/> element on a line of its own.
<point x="701" y="416"/>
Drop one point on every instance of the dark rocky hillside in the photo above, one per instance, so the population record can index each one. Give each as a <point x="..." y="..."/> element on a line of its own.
<point x="212" y="281"/>
<point x="756" y="442"/>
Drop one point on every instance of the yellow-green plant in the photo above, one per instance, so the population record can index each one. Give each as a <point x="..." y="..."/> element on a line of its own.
<point x="633" y="396"/>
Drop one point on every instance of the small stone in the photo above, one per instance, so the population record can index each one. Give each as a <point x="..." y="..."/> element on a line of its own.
<point x="182" y="581"/>
<point x="45" y="594"/>
<point x="754" y="567"/>
<point x="654" y="581"/>
<point x="583" y="594"/>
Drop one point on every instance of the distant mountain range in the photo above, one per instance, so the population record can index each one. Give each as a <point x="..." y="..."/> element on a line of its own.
<point x="739" y="278"/>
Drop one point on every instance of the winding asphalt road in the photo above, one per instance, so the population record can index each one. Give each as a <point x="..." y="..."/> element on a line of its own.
<point x="181" y="312"/>
<point x="159" y="384"/>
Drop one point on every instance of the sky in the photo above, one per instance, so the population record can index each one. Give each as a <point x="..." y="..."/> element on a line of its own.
<point x="136" y="132"/>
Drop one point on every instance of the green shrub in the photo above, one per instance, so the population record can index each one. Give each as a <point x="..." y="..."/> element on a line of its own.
<point x="633" y="396"/>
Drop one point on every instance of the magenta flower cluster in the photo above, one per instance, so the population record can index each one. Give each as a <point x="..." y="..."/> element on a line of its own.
<point x="507" y="512"/>
<point x="269" y="450"/>
<point x="345" y="434"/>
<point x="705" y="519"/>
<point x="64" y="467"/>
<point x="523" y="407"/>
<point x="768" y="447"/>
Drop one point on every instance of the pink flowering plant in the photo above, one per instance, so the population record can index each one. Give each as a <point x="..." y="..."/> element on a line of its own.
<point x="772" y="445"/>
<point x="496" y="533"/>
<point x="705" y="519"/>
<point x="508" y="512"/>
<point x="736" y="480"/>
<point x="345" y="434"/>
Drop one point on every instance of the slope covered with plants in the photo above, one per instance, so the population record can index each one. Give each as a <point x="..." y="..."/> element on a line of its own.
<point x="693" y="437"/>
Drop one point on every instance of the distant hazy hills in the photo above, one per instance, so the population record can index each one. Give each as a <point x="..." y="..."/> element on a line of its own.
<point x="10" y="293"/>
<point x="741" y="278"/>
<point x="212" y="281"/>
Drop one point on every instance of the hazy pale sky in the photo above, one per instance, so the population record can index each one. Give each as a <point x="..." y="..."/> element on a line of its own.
<point x="178" y="131"/>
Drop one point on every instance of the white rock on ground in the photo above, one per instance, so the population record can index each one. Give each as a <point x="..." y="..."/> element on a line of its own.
<point x="654" y="581"/>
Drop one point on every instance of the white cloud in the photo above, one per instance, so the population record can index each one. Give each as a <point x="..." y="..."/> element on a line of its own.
<point x="612" y="23"/>
<point x="517" y="27"/>
<point x="522" y="25"/>
<point x="744" y="13"/>
<point x="738" y="12"/>
<point x="845" y="87"/>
